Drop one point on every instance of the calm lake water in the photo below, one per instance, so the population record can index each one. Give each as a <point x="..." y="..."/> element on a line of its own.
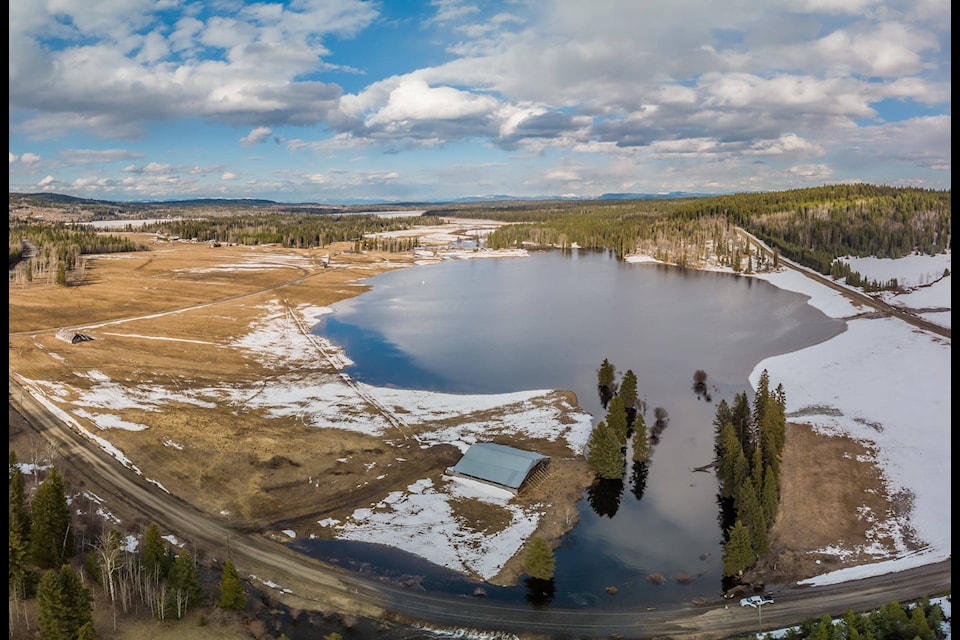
<point x="547" y="321"/>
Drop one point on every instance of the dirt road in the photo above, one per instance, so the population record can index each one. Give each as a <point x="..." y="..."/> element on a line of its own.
<point x="854" y="295"/>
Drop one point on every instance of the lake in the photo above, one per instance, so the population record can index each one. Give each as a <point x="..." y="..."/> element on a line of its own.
<point x="547" y="321"/>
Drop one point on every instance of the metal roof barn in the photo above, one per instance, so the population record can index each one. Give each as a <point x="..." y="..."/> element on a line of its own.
<point x="499" y="464"/>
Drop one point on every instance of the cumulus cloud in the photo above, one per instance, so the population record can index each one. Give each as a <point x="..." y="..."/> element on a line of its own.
<point x="255" y="137"/>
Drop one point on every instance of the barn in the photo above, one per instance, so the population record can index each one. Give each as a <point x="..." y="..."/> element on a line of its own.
<point x="500" y="465"/>
<point x="68" y="335"/>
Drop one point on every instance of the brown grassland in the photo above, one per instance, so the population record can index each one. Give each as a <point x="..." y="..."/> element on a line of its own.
<point x="253" y="467"/>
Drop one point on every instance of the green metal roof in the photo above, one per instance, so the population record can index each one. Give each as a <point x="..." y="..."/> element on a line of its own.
<point x="498" y="463"/>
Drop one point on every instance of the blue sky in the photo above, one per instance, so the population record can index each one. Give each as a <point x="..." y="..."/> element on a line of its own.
<point x="345" y="100"/>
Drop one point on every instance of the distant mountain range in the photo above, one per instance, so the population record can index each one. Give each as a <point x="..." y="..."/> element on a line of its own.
<point x="55" y="199"/>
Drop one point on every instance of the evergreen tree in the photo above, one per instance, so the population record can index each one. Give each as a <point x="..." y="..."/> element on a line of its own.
<point x="738" y="551"/>
<point x="184" y="582"/>
<point x="732" y="464"/>
<point x="749" y="511"/>
<point x="770" y="496"/>
<point x="641" y="440"/>
<point x="770" y="431"/>
<point x="232" y="595"/>
<point x="539" y="561"/>
<point x="87" y="632"/>
<point x="760" y="397"/>
<point x="756" y="469"/>
<point x="722" y="417"/>
<point x="51" y="540"/>
<point x="628" y="393"/>
<point x="19" y="509"/>
<point x="606" y="375"/>
<point x="156" y="560"/>
<point x="617" y="419"/>
<point x="604" y="454"/>
<point x="19" y="570"/>
<point x="64" y="604"/>
<point x="742" y="422"/>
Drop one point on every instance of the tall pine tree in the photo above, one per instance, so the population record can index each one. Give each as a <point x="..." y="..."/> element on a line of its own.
<point x="604" y="454"/>
<point x="64" y="604"/>
<point x="738" y="551"/>
<point x="184" y="583"/>
<point x="232" y="595"/>
<point x="617" y="419"/>
<point x="641" y="440"/>
<point x="51" y="539"/>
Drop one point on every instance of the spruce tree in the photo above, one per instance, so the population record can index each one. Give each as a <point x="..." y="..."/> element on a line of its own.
<point x="19" y="570"/>
<point x="539" y="561"/>
<point x="743" y="422"/>
<point x="738" y="551"/>
<point x="760" y="397"/>
<point x="617" y="419"/>
<point x="641" y="440"/>
<point x="184" y="582"/>
<point x="628" y="391"/>
<point x="604" y="454"/>
<point x="722" y="418"/>
<point x="232" y="595"/>
<point x="154" y="556"/>
<point x="64" y="604"/>
<point x="51" y="539"/>
<point x="606" y="375"/>
<point x="730" y="463"/>
<point x="19" y="509"/>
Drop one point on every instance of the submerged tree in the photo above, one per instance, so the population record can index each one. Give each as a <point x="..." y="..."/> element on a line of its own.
<point x="660" y="417"/>
<point x="604" y="453"/>
<point x="617" y="419"/>
<point x="628" y="393"/>
<point x="606" y="377"/>
<point x="700" y="381"/>
<point x="641" y="440"/>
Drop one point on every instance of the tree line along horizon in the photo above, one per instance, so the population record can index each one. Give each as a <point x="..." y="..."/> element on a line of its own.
<point x="816" y="227"/>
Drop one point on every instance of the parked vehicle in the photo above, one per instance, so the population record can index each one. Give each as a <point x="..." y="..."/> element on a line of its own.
<point x="756" y="601"/>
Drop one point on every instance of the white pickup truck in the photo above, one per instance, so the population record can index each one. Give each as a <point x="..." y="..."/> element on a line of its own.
<point x="756" y="601"/>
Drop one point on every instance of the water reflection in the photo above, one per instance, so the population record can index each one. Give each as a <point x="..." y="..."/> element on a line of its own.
<point x="540" y="592"/>
<point x="638" y="479"/>
<point x="604" y="496"/>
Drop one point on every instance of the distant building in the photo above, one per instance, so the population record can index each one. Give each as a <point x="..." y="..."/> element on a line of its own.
<point x="500" y="465"/>
<point x="68" y="335"/>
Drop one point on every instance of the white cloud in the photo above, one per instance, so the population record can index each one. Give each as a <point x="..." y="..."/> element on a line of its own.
<point x="256" y="136"/>
<point x="413" y="99"/>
